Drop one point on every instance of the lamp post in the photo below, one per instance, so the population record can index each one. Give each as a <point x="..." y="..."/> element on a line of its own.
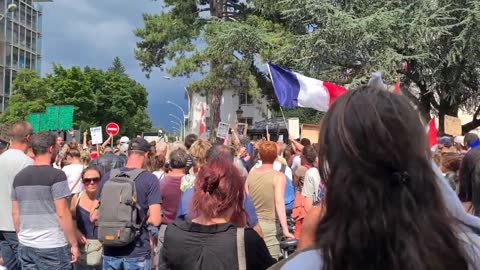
<point x="178" y="126"/>
<point x="11" y="8"/>
<point x="189" y="108"/>
<point x="183" y="114"/>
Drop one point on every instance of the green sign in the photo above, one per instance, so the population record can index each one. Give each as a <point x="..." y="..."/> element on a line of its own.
<point x="55" y="118"/>
<point x="34" y="120"/>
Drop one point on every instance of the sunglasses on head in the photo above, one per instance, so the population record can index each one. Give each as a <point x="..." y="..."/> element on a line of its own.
<point x="90" y="180"/>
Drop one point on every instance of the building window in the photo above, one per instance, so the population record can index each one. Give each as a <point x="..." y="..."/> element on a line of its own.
<point x="7" y="82"/>
<point x="23" y="41"/>
<point x="29" y="17"/>
<point x="247" y="120"/>
<point x="9" y="56"/>
<point x="29" y="40"/>
<point x="15" y="58"/>
<point x="22" y="13"/>
<point x="21" y="60"/>
<point x="245" y="98"/>
<point x="15" y="34"/>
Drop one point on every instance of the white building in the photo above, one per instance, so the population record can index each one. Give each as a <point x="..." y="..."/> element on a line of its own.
<point x="254" y="109"/>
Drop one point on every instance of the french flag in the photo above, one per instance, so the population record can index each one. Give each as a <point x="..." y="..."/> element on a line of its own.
<point x="296" y="90"/>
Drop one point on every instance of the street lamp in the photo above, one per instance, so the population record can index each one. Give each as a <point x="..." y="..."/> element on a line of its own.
<point x="179" y="126"/>
<point x="183" y="114"/>
<point x="11" y="8"/>
<point x="189" y="108"/>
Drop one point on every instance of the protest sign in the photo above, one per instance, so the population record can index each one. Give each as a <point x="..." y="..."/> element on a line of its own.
<point x="96" y="134"/>
<point x="242" y="129"/>
<point x="294" y="127"/>
<point x="223" y="129"/>
<point x="453" y="125"/>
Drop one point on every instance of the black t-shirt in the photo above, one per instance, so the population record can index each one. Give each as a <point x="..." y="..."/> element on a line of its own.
<point x="192" y="246"/>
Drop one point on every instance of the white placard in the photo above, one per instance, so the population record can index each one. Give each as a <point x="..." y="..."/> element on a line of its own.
<point x="294" y="127"/>
<point x="222" y="131"/>
<point x="97" y="136"/>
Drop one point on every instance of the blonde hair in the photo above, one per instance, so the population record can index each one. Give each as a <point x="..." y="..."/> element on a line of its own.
<point x="199" y="150"/>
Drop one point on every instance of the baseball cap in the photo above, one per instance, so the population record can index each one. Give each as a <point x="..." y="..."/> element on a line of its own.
<point x="124" y="139"/>
<point x="459" y="140"/>
<point x="139" y="144"/>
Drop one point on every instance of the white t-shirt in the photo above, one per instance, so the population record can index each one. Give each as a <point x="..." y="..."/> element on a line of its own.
<point x="12" y="162"/>
<point x="277" y="166"/>
<point x="311" y="184"/>
<point x="74" y="172"/>
<point x="297" y="160"/>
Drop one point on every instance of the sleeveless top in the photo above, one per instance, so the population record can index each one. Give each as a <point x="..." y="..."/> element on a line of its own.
<point x="84" y="225"/>
<point x="261" y="190"/>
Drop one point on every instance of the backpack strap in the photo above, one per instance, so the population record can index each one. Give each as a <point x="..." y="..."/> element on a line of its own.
<point x="283" y="169"/>
<point x="242" y="261"/>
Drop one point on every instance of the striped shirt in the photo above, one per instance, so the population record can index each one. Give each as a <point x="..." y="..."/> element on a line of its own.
<point x="35" y="188"/>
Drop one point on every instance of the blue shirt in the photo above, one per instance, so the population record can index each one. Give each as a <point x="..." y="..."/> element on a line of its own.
<point x="184" y="207"/>
<point x="148" y="193"/>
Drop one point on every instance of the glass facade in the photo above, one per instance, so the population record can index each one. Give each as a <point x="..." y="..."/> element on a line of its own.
<point x="20" y="38"/>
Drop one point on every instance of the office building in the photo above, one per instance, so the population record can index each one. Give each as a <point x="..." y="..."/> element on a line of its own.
<point x="20" y="41"/>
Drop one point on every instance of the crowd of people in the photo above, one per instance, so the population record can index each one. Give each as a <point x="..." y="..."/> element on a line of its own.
<point x="369" y="195"/>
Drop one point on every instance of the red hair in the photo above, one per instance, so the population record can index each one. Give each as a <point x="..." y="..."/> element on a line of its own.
<point x="268" y="152"/>
<point x="218" y="189"/>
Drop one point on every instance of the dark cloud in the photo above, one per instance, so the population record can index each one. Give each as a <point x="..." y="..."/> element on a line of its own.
<point x="93" y="32"/>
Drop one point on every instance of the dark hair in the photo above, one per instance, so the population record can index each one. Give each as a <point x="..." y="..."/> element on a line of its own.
<point x="189" y="140"/>
<point x="310" y="154"/>
<point x="20" y="131"/>
<point x="383" y="208"/>
<point x="221" y="151"/>
<point x="268" y="152"/>
<point x="469" y="139"/>
<point x="305" y="142"/>
<point x="178" y="159"/>
<point x="219" y="188"/>
<point x="40" y="142"/>
<point x="92" y="168"/>
<point x="469" y="190"/>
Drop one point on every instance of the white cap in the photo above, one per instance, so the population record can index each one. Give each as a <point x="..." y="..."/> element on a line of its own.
<point x="459" y="140"/>
<point x="124" y="139"/>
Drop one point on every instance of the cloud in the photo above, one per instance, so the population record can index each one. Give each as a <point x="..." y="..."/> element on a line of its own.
<point x="93" y="32"/>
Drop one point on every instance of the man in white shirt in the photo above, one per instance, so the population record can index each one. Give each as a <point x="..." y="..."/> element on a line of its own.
<point x="12" y="161"/>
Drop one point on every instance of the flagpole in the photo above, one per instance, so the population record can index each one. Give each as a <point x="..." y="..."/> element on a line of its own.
<point x="281" y="110"/>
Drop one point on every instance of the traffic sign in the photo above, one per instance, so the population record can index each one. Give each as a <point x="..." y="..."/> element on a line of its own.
<point x="112" y="128"/>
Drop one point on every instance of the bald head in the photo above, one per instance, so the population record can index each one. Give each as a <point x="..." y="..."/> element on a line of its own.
<point x="20" y="131"/>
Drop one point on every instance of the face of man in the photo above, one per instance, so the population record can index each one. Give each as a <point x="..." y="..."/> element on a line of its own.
<point x="59" y="141"/>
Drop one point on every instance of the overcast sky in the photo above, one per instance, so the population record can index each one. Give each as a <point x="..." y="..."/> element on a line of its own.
<point x="93" y="32"/>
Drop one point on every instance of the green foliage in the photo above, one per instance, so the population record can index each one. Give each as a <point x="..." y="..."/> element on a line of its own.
<point x="98" y="97"/>
<point x="28" y="96"/>
<point x="347" y="40"/>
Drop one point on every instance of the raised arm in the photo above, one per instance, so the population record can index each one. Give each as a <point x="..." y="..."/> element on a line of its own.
<point x="105" y="144"/>
<point x="279" y="189"/>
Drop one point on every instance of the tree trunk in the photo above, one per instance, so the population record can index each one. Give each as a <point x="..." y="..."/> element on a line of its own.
<point x="215" y="99"/>
<point x="217" y="8"/>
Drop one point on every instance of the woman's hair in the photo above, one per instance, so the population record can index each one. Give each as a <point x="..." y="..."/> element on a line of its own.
<point x="268" y="152"/>
<point x="92" y="168"/>
<point x="199" y="150"/>
<point x="469" y="190"/>
<point x="218" y="189"/>
<point x="451" y="161"/>
<point x="383" y="208"/>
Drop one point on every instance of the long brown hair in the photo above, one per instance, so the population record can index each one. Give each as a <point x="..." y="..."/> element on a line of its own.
<point x="383" y="207"/>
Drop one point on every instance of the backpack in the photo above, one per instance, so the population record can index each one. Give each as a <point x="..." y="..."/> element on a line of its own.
<point x="289" y="196"/>
<point x="118" y="222"/>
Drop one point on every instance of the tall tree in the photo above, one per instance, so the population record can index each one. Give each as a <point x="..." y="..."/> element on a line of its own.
<point x="222" y="46"/>
<point x="117" y="66"/>
<point x="435" y="40"/>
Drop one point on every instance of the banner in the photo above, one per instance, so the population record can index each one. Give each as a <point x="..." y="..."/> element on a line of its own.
<point x="222" y="131"/>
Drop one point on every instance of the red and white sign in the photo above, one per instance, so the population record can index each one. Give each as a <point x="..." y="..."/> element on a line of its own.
<point x="112" y="128"/>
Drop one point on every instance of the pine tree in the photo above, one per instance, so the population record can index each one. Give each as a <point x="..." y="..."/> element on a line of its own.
<point x="117" y="66"/>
